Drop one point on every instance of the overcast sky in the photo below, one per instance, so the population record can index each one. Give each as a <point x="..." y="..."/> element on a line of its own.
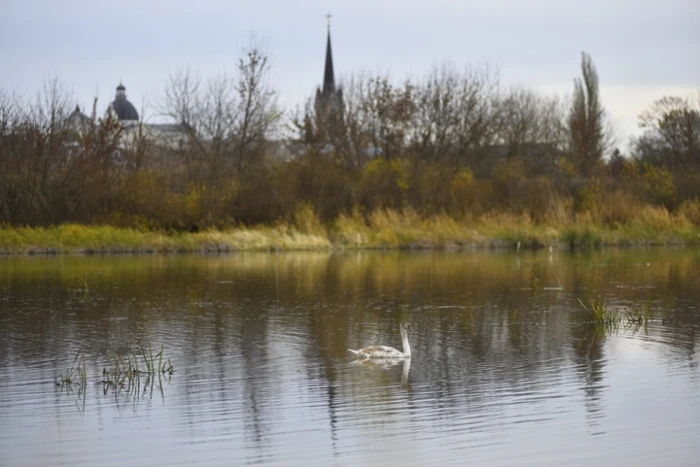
<point x="643" y="49"/>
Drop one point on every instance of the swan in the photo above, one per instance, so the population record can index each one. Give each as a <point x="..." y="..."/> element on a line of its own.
<point x="383" y="351"/>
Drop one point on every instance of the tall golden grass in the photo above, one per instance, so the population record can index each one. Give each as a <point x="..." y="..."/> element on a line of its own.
<point x="621" y="220"/>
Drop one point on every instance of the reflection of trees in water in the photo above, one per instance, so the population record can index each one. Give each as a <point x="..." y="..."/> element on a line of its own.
<point x="256" y="384"/>
<point x="327" y="325"/>
<point x="483" y="333"/>
<point x="589" y="363"/>
<point x="495" y="355"/>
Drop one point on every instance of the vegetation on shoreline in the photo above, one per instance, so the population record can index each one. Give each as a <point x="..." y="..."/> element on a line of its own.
<point x="450" y="160"/>
<point x="385" y="229"/>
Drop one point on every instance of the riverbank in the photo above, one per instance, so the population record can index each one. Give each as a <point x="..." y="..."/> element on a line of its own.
<point x="383" y="230"/>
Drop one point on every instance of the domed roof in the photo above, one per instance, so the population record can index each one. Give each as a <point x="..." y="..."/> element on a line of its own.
<point x="77" y="117"/>
<point x="124" y="109"/>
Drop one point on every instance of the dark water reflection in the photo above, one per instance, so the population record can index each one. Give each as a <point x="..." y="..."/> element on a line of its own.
<point x="505" y="368"/>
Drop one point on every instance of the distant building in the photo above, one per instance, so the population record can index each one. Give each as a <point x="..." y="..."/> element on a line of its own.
<point x="78" y="120"/>
<point x="124" y="110"/>
<point x="328" y="108"/>
<point x="166" y="135"/>
<point x="322" y="131"/>
<point x="328" y="105"/>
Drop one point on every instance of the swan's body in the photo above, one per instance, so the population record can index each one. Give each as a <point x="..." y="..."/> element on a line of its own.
<point x="378" y="351"/>
<point x="384" y="351"/>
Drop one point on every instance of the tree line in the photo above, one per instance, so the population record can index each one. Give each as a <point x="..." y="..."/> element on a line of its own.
<point x="455" y="142"/>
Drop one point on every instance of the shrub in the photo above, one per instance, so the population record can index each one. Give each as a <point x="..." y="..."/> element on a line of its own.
<point x="690" y="211"/>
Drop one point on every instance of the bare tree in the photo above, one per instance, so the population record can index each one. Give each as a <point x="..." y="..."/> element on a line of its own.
<point x="457" y="115"/>
<point x="256" y="112"/>
<point x="529" y="121"/>
<point x="36" y="153"/>
<point x="7" y="112"/>
<point x="375" y="121"/>
<point x="437" y="113"/>
<point x="353" y="139"/>
<point x="671" y="133"/>
<point x="228" y="118"/>
<point x="49" y="172"/>
<point x="387" y="111"/>
<point x="181" y="93"/>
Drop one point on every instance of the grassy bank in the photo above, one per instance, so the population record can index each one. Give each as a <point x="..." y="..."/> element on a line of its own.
<point x="72" y="238"/>
<point x="381" y="229"/>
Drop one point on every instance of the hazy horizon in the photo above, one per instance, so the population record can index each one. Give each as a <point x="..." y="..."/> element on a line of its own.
<point x="643" y="50"/>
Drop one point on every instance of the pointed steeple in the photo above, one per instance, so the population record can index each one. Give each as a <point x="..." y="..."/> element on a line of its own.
<point x="328" y="76"/>
<point x="328" y="107"/>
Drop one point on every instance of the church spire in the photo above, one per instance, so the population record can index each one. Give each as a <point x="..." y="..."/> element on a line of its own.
<point x="328" y="107"/>
<point x="328" y="76"/>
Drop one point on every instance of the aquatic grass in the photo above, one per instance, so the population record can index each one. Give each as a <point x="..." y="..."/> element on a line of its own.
<point x="125" y="372"/>
<point x="637" y="315"/>
<point x="76" y="374"/>
<point x="600" y="314"/>
<point x="167" y="368"/>
<point x="536" y="285"/>
<point x="84" y="288"/>
<point x="122" y="372"/>
<point x="640" y="314"/>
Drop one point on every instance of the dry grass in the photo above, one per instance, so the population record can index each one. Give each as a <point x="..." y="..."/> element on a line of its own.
<point x="382" y="228"/>
<point x="72" y="238"/>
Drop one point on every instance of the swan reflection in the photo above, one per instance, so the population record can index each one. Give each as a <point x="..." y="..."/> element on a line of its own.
<point x="385" y="364"/>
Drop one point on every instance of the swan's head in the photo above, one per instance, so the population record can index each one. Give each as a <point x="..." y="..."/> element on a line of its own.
<point x="406" y="326"/>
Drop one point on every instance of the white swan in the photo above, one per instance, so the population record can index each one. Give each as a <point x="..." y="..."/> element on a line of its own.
<point x="383" y="351"/>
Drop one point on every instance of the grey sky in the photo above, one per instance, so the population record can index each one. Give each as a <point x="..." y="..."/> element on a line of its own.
<point x="642" y="49"/>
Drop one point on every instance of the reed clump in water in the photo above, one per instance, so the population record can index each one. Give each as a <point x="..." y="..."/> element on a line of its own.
<point x="638" y="314"/>
<point x="125" y="371"/>
<point x="537" y="286"/>
<point x="600" y="315"/>
<point x="74" y="376"/>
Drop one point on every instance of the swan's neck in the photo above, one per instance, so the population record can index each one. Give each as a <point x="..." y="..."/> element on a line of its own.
<point x="404" y="342"/>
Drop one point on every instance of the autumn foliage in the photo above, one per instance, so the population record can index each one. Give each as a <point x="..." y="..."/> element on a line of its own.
<point x="452" y="148"/>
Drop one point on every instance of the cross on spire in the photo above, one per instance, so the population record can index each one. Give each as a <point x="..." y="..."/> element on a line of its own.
<point x="328" y="17"/>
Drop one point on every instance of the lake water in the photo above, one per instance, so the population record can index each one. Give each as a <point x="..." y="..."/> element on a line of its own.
<point x="506" y="369"/>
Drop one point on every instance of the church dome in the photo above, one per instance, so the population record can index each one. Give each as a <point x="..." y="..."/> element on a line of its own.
<point x="124" y="109"/>
<point x="77" y="118"/>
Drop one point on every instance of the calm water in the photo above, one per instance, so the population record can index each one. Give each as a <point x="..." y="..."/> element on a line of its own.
<point x="506" y="370"/>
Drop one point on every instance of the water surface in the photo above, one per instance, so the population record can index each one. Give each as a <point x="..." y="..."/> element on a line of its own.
<point x="506" y="367"/>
